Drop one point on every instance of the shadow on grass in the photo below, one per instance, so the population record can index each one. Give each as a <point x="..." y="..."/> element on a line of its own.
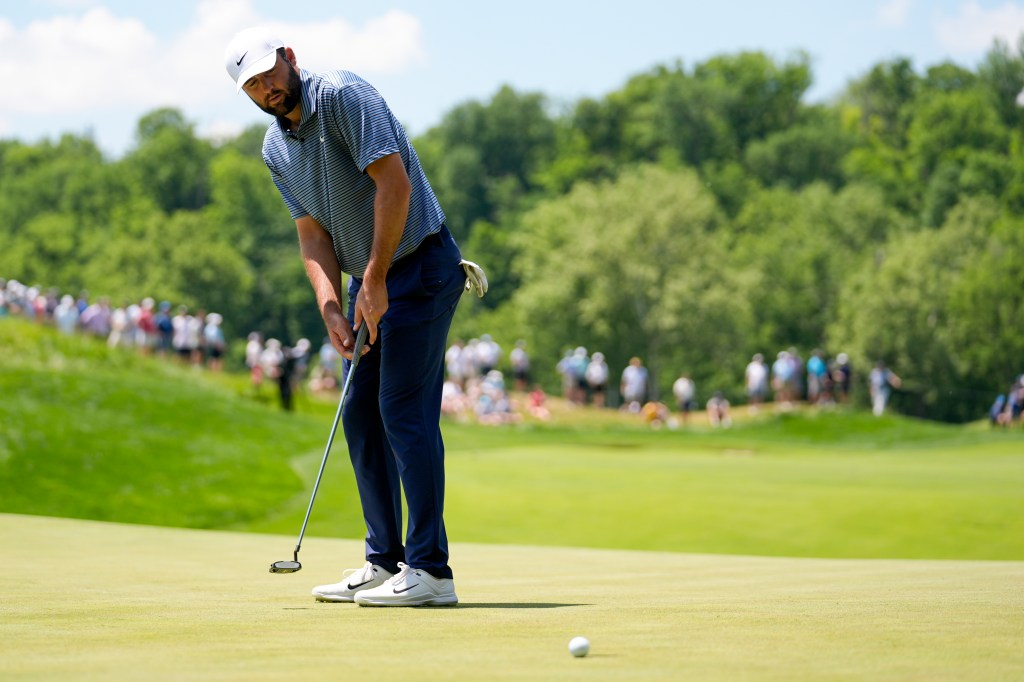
<point x="463" y="605"/>
<point x="513" y="605"/>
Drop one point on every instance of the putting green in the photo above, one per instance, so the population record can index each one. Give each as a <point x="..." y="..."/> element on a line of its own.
<point x="89" y="600"/>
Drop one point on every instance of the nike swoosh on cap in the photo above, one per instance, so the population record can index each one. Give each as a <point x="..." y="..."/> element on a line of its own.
<point x="239" y="62"/>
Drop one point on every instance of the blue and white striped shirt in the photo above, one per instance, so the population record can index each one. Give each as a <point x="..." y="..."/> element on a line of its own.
<point x="320" y="167"/>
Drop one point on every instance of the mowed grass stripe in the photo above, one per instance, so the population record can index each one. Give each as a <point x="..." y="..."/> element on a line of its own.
<point x="955" y="504"/>
<point x="89" y="600"/>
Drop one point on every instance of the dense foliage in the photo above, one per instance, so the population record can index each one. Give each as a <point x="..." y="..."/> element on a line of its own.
<point x="693" y="217"/>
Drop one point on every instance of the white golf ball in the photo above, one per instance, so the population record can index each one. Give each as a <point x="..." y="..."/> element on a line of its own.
<point x="579" y="646"/>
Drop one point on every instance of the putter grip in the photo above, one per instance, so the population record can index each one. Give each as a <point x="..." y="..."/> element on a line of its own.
<point x="357" y="351"/>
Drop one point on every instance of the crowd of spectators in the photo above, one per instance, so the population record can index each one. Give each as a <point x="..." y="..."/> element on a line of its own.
<point x="1007" y="408"/>
<point x="475" y="386"/>
<point x="195" y="338"/>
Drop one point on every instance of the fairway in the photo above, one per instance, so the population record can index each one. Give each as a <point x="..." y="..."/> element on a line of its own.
<point x="90" y="600"/>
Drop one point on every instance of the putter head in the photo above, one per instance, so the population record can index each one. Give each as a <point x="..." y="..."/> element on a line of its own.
<point x="285" y="566"/>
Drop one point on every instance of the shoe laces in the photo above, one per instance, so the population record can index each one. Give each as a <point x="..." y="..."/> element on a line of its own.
<point x="403" y="572"/>
<point x="363" y="573"/>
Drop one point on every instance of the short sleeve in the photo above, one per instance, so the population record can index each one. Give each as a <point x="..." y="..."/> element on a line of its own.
<point x="366" y="123"/>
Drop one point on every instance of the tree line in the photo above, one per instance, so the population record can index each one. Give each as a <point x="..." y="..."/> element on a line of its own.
<point x="693" y="217"/>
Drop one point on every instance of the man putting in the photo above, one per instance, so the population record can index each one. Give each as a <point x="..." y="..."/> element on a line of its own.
<point x="362" y="205"/>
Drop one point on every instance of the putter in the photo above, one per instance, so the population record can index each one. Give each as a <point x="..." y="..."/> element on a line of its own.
<point x="294" y="565"/>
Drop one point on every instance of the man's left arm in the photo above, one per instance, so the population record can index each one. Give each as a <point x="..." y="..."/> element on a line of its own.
<point x="390" y="211"/>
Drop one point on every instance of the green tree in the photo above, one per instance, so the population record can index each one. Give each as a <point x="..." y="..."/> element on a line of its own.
<point x="480" y="151"/>
<point x="948" y="127"/>
<point x="169" y="163"/>
<point x="898" y="308"/>
<point x="986" y="305"/>
<point x="765" y="96"/>
<point x="632" y="267"/>
<point x="810" y="152"/>
<point x="880" y="100"/>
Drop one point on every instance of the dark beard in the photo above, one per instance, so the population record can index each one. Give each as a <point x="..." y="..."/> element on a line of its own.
<point x="291" y="98"/>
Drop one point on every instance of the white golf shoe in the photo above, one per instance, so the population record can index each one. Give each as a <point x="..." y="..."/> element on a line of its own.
<point x="410" y="587"/>
<point x="354" y="579"/>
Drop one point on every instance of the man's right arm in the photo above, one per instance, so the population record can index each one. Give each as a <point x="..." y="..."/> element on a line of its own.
<point x="324" y="274"/>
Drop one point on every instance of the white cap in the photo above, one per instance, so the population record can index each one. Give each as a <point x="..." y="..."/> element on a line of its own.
<point x="250" y="52"/>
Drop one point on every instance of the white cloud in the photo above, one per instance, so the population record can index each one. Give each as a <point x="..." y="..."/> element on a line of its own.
<point x="73" y="63"/>
<point x="893" y="13"/>
<point x="94" y="61"/>
<point x="974" y="28"/>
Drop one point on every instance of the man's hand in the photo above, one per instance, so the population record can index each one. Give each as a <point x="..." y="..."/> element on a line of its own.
<point x="342" y="337"/>
<point x="371" y="304"/>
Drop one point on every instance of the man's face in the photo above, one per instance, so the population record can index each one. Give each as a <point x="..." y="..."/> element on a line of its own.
<point x="276" y="91"/>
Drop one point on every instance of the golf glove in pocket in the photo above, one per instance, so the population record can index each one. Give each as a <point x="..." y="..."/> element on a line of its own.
<point x="476" y="280"/>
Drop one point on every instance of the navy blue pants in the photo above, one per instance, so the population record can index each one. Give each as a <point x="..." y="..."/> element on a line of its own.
<point x="392" y="415"/>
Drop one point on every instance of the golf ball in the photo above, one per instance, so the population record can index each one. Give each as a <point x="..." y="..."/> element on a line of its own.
<point x="579" y="646"/>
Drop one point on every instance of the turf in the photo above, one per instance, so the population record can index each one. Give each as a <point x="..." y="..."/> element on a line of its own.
<point x="93" y="433"/>
<point x="99" y="601"/>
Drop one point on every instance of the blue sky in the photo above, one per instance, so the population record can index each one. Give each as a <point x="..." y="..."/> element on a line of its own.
<point x="96" y="66"/>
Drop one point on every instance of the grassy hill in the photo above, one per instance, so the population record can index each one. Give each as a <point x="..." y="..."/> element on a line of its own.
<point x="98" y="434"/>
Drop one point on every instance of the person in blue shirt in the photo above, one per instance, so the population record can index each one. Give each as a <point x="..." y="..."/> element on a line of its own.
<point x="362" y="206"/>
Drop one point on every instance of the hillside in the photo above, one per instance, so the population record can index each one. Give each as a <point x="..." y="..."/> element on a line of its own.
<point x="98" y="434"/>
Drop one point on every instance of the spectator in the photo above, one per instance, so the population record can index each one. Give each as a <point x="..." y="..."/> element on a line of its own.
<point x="164" y="329"/>
<point x="520" y="365"/>
<point x="1014" y="403"/>
<point x="995" y="413"/>
<point x="213" y="337"/>
<point x="82" y="302"/>
<point x="254" y="360"/>
<point x="633" y="385"/>
<point x="842" y="377"/>
<point x="536" y="404"/>
<point x="453" y="399"/>
<point x="655" y="414"/>
<point x="718" y="410"/>
<point x="881" y="381"/>
<point x="755" y="379"/>
<point x="817" y="378"/>
<point x="782" y="379"/>
<point x="684" y="391"/>
<point x="488" y="355"/>
<point x="565" y="372"/>
<point x="194" y="338"/>
<point x="325" y="376"/>
<point x="453" y="363"/>
<point x="180" y="341"/>
<point x="96" y="319"/>
<point x="66" y="315"/>
<point x="120" y="331"/>
<point x="577" y="368"/>
<point x="596" y="376"/>
<point x="145" y="326"/>
<point x="274" y="367"/>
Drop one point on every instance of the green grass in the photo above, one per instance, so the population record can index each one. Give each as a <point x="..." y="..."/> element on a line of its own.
<point x="100" y="434"/>
<point x="98" y="601"/>
<point x="869" y="535"/>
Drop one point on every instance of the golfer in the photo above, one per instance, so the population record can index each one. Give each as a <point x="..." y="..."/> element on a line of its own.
<point x="362" y="205"/>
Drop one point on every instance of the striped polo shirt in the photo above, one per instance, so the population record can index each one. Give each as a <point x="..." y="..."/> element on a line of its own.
<point x="320" y="167"/>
